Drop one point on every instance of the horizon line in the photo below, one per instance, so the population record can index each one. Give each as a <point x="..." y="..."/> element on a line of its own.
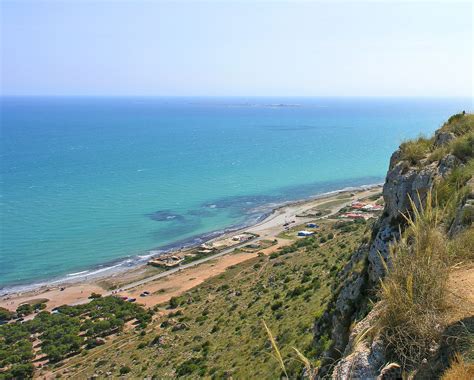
<point x="223" y="96"/>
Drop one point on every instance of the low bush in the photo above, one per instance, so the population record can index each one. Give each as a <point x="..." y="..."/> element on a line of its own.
<point x="124" y="370"/>
<point x="5" y="314"/>
<point x="463" y="148"/>
<point x="415" y="150"/>
<point x="450" y="192"/>
<point x="461" y="247"/>
<point x="413" y="293"/>
<point x="24" y="310"/>
<point x="460" y="124"/>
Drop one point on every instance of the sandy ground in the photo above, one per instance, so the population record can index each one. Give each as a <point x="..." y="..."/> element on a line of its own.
<point x="461" y="292"/>
<point x="176" y="282"/>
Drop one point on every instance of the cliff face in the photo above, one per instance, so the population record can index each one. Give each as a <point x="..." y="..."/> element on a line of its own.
<point x="406" y="180"/>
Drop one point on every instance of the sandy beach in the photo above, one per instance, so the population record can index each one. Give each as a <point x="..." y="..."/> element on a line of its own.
<point x="163" y="286"/>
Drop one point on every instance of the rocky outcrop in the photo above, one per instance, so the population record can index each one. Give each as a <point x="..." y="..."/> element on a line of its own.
<point x="405" y="184"/>
<point x="465" y="213"/>
<point x="443" y="138"/>
<point x="447" y="163"/>
<point x="364" y="356"/>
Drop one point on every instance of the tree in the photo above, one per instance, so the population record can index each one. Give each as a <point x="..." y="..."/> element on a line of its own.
<point x="24" y="309"/>
<point x="174" y="303"/>
<point x="5" y="314"/>
<point x="21" y="371"/>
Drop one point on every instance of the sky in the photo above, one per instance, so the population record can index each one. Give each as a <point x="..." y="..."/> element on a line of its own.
<point x="230" y="48"/>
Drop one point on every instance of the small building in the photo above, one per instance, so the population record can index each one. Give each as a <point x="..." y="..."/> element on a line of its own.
<point x="205" y="251"/>
<point x="305" y="233"/>
<point x="166" y="261"/>
<point x="358" y="205"/>
<point x="241" y="238"/>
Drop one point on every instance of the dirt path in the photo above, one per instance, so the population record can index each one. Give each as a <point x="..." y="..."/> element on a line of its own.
<point x="179" y="282"/>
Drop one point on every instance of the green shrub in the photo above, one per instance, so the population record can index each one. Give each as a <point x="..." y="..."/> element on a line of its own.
<point x="173" y="303"/>
<point x="24" y="310"/>
<point x="276" y="305"/>
<point x="415" y="150"/>
<point x="124" y="370"/>
<point x="20" y="371"/>
<point x="463" y="148"/>
<point x="450" y="191"/>
<point x="460" y="124"/>
<point x="190" y="366"/>
<point x="5" y="314"/>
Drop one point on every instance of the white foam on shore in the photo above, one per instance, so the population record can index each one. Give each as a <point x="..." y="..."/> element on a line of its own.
<point x="258" y="215"/>
<point x="77" y="273"/>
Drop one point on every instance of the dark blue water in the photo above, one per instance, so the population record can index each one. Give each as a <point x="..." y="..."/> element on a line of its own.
<point x="88" y="181"/>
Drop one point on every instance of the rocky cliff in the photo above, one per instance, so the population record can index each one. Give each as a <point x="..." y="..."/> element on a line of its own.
<point x="411" y="175"/>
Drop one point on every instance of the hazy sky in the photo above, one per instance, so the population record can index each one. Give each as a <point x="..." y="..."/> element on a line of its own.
<point x="292" y="47"/>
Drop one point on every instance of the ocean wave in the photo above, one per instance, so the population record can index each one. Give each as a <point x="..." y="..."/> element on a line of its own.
<point x="77" y="273"/>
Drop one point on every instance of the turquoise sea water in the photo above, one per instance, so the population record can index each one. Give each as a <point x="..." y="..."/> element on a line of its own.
<point x="89" y="182"/>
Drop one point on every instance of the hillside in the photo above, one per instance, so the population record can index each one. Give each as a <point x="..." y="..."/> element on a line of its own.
<point x="337" y="303"/>
<point x="423" y="238"/>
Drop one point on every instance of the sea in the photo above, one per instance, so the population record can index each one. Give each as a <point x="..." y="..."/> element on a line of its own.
<point x="96" y="184"/>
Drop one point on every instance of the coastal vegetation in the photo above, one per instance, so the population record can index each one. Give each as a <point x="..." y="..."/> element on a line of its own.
<point x="458" y="131"/>
<point x="406" y="307"/>
<point x="213" y="329"/>
<point x="69" y="330"/>
<point x="415" y="292"/>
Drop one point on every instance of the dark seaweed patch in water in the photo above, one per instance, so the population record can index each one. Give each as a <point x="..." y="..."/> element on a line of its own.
<point x="176" y="230"/>
<point x="248" y="204"/>
<point x="203" y="212"/>
<point x="165" y="216"/>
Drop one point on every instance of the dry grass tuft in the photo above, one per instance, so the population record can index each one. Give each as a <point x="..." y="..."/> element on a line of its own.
<point x="278" y="356"/>
<point x="459" y="370"/>
<point x="310" y="371"/>
<point x="415" y="150"/>
<point x="459" y="124"/>
<point x="413" y="293"/>
<point x="450" y="192"/>
<point x="461" y="247"/>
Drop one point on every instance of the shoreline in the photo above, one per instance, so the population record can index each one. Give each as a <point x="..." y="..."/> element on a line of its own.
<point x="89" y="281"/>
